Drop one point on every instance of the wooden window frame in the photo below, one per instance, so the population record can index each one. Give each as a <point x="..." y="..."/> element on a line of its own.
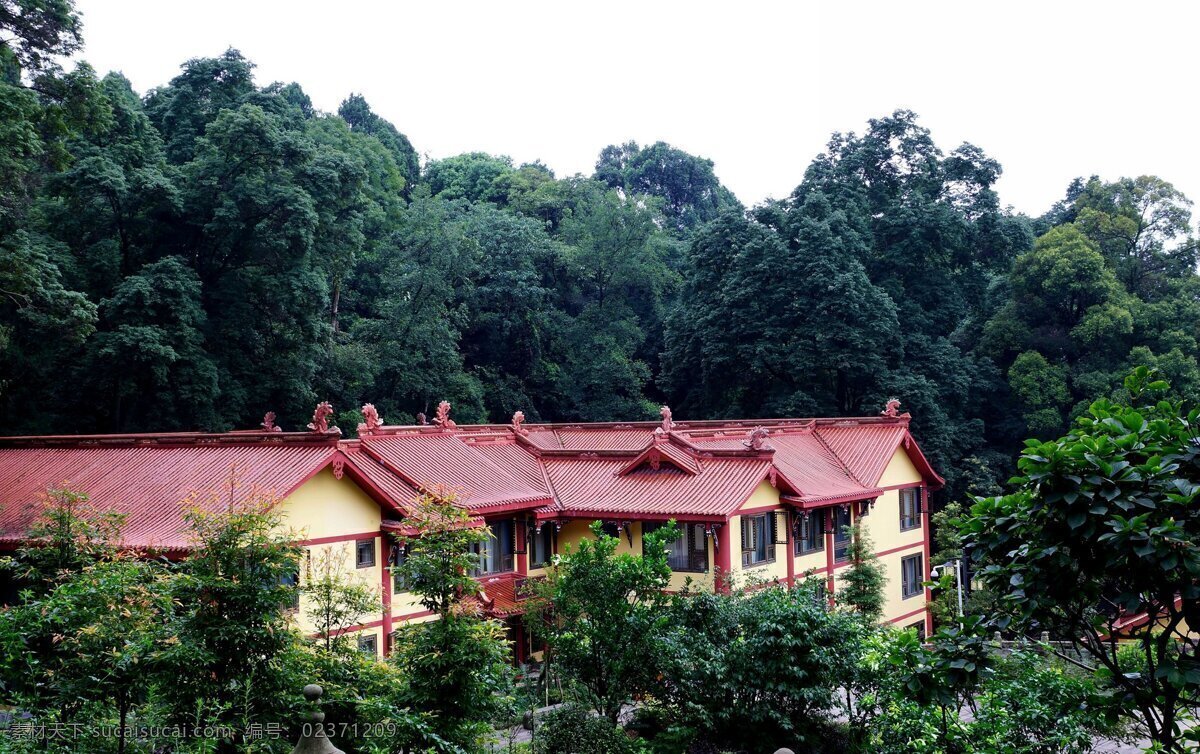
<point x="496" y="539"/>
<point x="359" y="544"/>
<point x="371" y="640"/>
<point x="816" y="526"/>
<point x="531" y="544"/>
<point x="910" y="508"/>
<point x="690" y="533"/>
<point x="917" y="588"/>
<point x="768" y="520"/>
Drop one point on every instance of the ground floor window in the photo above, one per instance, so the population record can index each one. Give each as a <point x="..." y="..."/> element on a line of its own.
<point x="810" y="532"/>
<point x="292" y="581"/>
<point x="912" y="575"/>
<point x="368" y="644"/>
<point x="841" y="533"/>
<point x="758" y="539"/>
<point x="689" y="552"/>
<point x="919" y="627"/>
<point x="399" y="585"/>
<point x="364" y="553"/>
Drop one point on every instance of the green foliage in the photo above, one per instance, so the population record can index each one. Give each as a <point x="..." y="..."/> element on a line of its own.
<point x="1100" y="526"/>
<point x="603" y="616"/>
<point x="456" y="668"/>
<point x="335" y="601"/>
<point x="864" y="581"/>
<point x="573" y="729"/>
<point x="456" y="671"/>
<point x="67" y="536"/>
<point x="438" y="559"/>
<point x="231" y="630"/>
<point x="1024" y="703"/>
<point x="690" y="193"/>
<point x="37" y="31"/>
<point x="754" y="670"/>
<point x="92" y="641"/>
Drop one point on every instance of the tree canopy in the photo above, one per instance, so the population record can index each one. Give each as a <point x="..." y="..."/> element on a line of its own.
<point x="215" y="248"/>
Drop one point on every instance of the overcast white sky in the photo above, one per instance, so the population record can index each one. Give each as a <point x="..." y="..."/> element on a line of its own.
<point x="1051" y="89"/>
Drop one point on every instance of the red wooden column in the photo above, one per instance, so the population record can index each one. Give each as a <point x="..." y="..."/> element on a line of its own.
<point x="385" y="552"/>
<point x="827" y="515"/>
<point x="927" y="565"/>
<point x="522" y="544"/>
<point x="724" y="557"/>
<point x="791" y="547"/>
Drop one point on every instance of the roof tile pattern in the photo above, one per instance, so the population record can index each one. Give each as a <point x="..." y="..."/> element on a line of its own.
<point x="704" y="469"/>
<point x="149" y="483"/>
<point x="587" y="485"/>
<point x="864" y="449"/>
<point x="431" y="460"/>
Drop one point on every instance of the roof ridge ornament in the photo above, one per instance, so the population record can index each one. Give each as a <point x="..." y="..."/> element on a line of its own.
<point x="660" y="432"/>
<point x="320" y="420"/>
<point x="268" y="423"/>
<point x="518" y="418"/>
<point x="758" y="439"/>
<point x="442" y="420"/>
<point x="371" y="421"/>
<point x="892" y="410"/>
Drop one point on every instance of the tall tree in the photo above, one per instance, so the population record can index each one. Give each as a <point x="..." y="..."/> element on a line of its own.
<point x="690" y="192"/>
<point x="1097" y="541"/>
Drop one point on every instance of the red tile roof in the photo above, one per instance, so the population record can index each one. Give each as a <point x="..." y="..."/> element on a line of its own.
<point x="432" y="460"/>
<point x="596" y="486"/>
<point x="149" y="483"/>
<point x="705" y="469"/>
<point x="500" y="596"/>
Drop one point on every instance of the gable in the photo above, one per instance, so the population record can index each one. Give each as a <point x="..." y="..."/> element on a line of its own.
<point x="899" y="470"/>
<point x="326" y="506"/>
<point x="764" y="495"/>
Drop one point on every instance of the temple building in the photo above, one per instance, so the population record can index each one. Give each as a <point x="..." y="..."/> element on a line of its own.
<point x="757" y="501"/>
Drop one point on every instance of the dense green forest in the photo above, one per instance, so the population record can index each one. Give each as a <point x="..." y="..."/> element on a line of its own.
<point x="194" y="256"/>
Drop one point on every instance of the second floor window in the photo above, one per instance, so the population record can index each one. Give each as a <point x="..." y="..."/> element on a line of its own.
<point x="496" y="552"/>
<point x="912" y="575"/>
<point x="810" y="533"/>
<point x="758" y="539"/>
<point x="910" y="508"/>
<point x="688" y="553"/>
<point x="364" y="553"/>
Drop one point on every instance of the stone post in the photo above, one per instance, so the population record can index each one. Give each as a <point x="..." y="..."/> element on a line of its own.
<point x="312" y="737"/>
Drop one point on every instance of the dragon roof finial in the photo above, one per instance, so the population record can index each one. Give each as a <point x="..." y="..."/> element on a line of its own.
<point x="320" y="420"/>
<point x="268" y="423"/>
<point x="518" y="419"/>
<point x="667" y="423"/>
<point x="442" y="419"/>
<point x="371" y="421"/>
<point x="758" y="439"/>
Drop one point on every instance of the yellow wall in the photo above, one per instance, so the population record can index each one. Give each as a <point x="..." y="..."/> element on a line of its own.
<point x="325" y="506"/>
<point x="882" y="525"/>
<point x="328" y="507"/>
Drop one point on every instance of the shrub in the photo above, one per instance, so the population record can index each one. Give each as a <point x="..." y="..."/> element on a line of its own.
<point x="573" y="729"/>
